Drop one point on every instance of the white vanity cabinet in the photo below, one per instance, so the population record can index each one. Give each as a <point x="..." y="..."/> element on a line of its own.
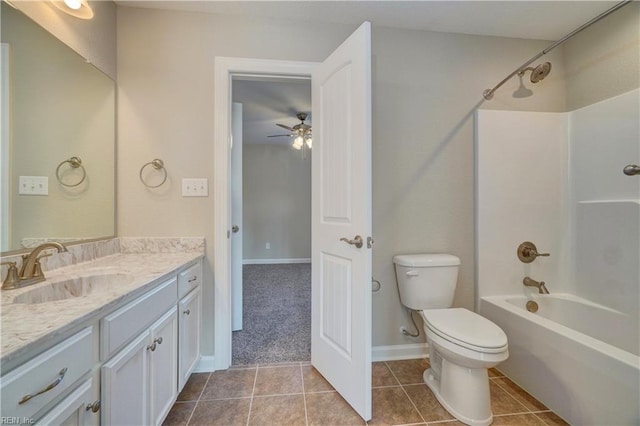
<point x="139" y="382"/>
<point x="189" y="321"/>
<point x="32" y="387"/>
<point x="124" y="367"/>
<point x="74" y="409"/>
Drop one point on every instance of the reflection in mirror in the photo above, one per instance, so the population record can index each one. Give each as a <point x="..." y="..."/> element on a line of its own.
<point x="55" y="106"/>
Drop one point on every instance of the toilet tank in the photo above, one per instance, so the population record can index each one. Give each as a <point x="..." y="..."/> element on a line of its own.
<point x="426" y="281"/>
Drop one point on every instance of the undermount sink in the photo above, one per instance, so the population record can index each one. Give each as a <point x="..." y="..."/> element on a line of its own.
<point x="73" y="287"/>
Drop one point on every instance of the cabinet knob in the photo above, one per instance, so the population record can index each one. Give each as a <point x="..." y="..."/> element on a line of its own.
<point x="187" y="312"/>
<point x="192" y="279"/>
<point x="94" y="406"/>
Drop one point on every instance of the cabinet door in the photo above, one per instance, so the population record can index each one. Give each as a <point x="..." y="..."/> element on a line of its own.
<point x="189" y="348"/>
<point x="163" y="365"/>
<point x="125" y="380"/>
<point x="72" y="410"/>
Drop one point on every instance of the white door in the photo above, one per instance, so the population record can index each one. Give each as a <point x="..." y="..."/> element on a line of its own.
<point x="236" y="216"/>
<point x="341" y="205"/>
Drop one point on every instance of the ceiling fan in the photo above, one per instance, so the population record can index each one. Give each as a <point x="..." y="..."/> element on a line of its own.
<point x="301" y="132"/>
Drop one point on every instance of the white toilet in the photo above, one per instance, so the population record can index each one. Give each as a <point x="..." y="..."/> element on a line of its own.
<point x="462" y="344"/>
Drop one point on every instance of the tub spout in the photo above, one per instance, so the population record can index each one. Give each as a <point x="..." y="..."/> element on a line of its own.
<point x="542" y="289"/>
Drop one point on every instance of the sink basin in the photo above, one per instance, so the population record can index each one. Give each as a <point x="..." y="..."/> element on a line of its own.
<point x="73" y="287"/>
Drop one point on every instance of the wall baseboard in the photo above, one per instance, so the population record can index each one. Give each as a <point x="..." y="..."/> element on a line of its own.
<point x="275" y="261"/>
<point x="378" y="353"/>
<point x="205" y="365"/>
<point x="398" y="352"/>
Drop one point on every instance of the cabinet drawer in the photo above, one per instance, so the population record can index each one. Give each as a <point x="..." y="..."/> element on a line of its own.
<point x="189" y="279"/>
<point x="119" y="327"/>
<point x="56" y="370"/>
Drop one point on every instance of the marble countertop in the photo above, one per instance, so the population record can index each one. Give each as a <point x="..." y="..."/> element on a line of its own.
<point x="27" y="326"/>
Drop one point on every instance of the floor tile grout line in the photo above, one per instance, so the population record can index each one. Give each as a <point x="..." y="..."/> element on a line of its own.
<point x="406" y="394"/>
<point x="253" y="391"/>
<point x="304" y="397"/>
<point x="198" y="399"/>
<point x="514" y="398"/>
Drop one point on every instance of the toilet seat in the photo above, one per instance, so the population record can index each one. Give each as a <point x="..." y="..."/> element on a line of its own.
<point x="467" y="329"/>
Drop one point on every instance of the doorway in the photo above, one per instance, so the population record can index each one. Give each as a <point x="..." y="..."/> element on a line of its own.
<point x="271" y="214"/>
<point x="341" y="211"/>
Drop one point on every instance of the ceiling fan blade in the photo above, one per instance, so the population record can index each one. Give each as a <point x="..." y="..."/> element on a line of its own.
<point x="277" y="136"/>
<point x="285" y="127"/>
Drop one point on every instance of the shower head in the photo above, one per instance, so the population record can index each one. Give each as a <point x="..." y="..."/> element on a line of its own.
<point x="538" y="73"/>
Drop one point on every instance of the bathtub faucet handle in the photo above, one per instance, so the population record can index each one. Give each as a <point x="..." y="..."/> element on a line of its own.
<point x="527" y="252"/>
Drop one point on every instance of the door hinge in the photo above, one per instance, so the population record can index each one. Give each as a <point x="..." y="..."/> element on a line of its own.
<point x="370" y="242"/>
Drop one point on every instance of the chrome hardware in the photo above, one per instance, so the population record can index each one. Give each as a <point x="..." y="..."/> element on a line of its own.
<point x="357" y="241"/>
<point x="527" y="252"/>
<point x="52" y="385"/>
<point x="152" y="347"/>
<point x="532" y="306"/>
<point x="11" y="280"/>
<point x="631" y="170"/>
<point x="158" y="340"/>
<point x="192" y="279"/>
<point x="533" y="283"/>
<point x="370" y="242"/>
<point x="235" y="228"/>
<point x="94" y="406"/>
<point x="187" y="312"/>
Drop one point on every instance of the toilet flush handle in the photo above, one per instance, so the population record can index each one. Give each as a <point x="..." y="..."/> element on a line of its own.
<point x="412" y="273"/>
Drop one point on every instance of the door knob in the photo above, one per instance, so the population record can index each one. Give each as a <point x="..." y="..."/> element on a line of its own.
<point x="235" y="228"/>
<point x="631" y="170"/>
<point x="357" y="241"/>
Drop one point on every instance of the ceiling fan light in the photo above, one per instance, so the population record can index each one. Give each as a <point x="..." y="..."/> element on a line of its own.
<point x="309" y="142"/>
<point x="297" y="143"/>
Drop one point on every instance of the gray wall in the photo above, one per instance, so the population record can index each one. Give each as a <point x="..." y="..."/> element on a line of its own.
<point x="276" y="195"/>
<point x="604" y="60"/>
<point x="424" y="95"/>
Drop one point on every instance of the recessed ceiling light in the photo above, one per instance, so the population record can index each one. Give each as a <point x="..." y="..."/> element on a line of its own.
<point x="77" y="8"/>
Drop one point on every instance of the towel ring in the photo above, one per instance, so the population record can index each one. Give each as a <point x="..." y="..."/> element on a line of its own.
<point x="157" y="164"/>
<point x="74" y="162"/>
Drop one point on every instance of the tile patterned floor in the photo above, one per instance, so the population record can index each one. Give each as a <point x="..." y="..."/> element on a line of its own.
<point x="296" y="394"/>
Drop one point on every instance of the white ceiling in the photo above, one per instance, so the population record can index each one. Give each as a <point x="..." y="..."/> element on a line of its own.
<point x="543" y="20"/>
<point x="267" y="103"/>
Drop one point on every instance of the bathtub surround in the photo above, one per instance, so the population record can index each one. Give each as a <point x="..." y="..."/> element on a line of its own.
<point x="585" y="380"/>
<point x="277" y="315"/>
<point x="573" y="200"/>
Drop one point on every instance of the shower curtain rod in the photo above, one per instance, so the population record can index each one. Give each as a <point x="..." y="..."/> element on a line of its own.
<point x="488" y="93"/>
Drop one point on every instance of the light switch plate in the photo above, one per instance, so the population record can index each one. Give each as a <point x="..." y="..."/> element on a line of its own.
<point x="33" y="185"/>
<point x="195" y="187"/>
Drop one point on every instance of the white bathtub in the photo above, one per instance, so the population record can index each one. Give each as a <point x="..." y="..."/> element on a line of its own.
<point x="578" y="358"/>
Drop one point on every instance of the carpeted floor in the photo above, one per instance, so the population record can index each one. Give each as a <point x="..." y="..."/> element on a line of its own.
<point x="277" y="315"/>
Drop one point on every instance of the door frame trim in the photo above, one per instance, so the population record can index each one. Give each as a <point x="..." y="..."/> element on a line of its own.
<point x="225" y="69"/>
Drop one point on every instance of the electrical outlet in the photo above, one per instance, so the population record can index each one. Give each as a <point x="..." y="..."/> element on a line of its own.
<point x="268" y="246"/>
<point x="33" y="185"/>
<point x="195" y="187"/>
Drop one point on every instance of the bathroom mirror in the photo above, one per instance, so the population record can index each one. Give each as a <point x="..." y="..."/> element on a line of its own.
<point x="55" y="106"/>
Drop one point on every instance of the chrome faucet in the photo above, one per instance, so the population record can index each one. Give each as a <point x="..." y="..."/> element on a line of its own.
<point x="533" y="283"/>
<point x="31" y="271"/>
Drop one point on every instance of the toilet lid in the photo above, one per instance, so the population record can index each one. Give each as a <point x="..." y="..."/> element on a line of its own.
<point x="466" y="328"/>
